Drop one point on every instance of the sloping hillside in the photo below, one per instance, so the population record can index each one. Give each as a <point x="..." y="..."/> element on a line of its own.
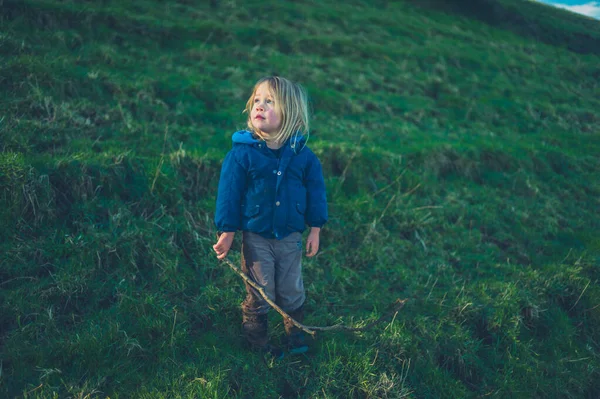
<point x="460" y="150"/>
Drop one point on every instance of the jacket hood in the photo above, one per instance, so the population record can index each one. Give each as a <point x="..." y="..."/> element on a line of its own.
<point x="245" y="137"/>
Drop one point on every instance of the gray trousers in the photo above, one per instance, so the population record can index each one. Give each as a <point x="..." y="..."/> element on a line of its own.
<point x="276" y="265"/>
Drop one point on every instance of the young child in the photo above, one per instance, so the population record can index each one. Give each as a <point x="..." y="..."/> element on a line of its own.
<point x="271" y="187"/>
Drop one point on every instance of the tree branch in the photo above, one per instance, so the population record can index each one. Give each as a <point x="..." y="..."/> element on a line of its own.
<point x="312" y="329"/>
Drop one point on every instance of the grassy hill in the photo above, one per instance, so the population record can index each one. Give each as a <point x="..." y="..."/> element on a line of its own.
<point x="460" y="150"/>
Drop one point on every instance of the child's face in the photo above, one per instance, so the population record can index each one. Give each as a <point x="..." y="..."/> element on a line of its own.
<point x="265" y="113"/>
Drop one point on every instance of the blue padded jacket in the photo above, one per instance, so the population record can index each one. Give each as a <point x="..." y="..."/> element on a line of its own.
<point x="270" y="196"/>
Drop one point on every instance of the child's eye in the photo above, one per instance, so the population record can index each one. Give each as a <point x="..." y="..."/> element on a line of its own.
<point x="256" y="100"/>
<point x="269" y="101"/>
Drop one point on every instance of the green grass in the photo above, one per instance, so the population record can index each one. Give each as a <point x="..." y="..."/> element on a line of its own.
<point x="460" y="156"/>
<point x="531" y="19"/>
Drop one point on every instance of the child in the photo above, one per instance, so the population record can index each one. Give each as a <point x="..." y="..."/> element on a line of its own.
<point x="271" y="187"/>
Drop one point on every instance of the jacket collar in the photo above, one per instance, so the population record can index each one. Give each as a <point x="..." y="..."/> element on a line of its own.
<point x="290" y="148"/>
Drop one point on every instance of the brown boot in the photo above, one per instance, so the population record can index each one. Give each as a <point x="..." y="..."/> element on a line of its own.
<point x="255" y="329"/>
<point x="296" y="343"/>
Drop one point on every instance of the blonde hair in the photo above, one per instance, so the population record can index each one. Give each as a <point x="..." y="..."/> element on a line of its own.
<point x="291" y="101"/>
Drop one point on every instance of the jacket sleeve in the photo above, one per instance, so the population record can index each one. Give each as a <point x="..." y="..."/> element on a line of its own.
<point x="316" y="199"/>
<point x="232" y="184"/>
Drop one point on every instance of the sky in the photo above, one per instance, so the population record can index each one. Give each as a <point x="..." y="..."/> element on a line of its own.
<point x="589" y="8"/>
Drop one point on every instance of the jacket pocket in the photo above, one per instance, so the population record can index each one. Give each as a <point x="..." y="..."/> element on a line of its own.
<point x="296" y="217"/>
<point x="251" y="211"/>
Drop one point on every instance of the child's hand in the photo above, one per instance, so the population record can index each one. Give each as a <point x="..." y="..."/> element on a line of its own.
<point x="312" y="242"/>
<point x="222" y="246"/>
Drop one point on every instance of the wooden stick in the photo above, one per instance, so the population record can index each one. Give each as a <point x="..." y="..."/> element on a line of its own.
<point x="311" y="329"/>
<point x="399" y="304"/>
